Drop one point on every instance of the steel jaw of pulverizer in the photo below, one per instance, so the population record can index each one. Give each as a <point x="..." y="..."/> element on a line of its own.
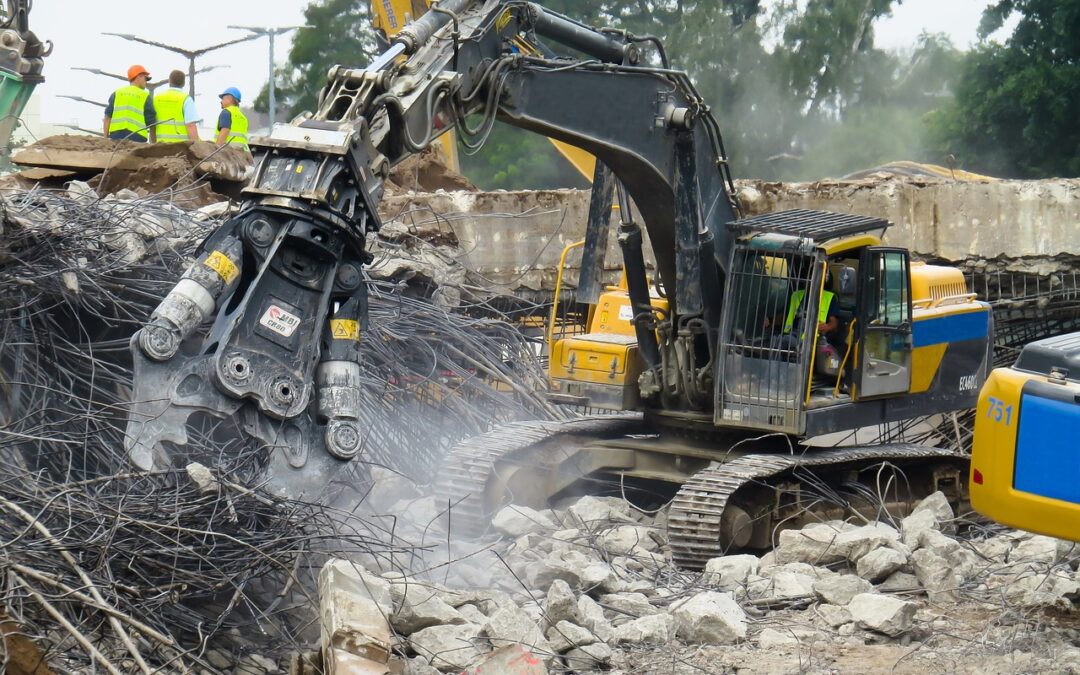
<point x="280" y="363"/>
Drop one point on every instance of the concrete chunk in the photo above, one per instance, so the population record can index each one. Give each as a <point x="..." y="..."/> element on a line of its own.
<point x="353" y="605"/>
<point x="656" y="629"/>
<point x="840" y="589"/>
<point x="939" y="505"/>
<point x="448" y="648"/>
<point x="511" y="625"/>
<point x="516" y="521"/>
<point x="731" y="571"/>
<point x="510" y="660"/>
<point x="880" y="563"/>
<point x="560" y="606"/>
<point x="564" y="636"/>
<point x="882" y="613"/>
<point x="710" y="618"/>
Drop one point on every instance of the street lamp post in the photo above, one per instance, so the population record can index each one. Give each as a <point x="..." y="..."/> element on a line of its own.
<point x="189" y="54"/>
<point x="271" y="33"/>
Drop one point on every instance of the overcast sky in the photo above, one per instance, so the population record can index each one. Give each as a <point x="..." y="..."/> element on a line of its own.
<point x="76" y="28"/>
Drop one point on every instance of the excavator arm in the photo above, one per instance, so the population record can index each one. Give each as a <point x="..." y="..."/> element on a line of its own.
<point x="22" y="58"/>
<point x="281" y="284"/>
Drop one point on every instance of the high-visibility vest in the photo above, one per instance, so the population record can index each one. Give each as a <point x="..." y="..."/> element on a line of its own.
<point x="169" y="106"/>
<point x="129" y="110"/>
<point x="796" y="300"/>
<point x="238" y="130"/>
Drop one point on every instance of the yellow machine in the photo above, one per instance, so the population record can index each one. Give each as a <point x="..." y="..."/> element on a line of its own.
<point x="1024" y="463"/>
<point x="389" y="16"/>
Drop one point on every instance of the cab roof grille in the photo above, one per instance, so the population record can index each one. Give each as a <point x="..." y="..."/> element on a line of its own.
<point x="809" y="224"/>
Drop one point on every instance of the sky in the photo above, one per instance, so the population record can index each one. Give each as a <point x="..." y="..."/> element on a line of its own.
<point x="76" y="27"/>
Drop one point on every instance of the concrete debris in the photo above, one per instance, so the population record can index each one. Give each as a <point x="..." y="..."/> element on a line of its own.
<point x="355" y="636"/>
<point x="730" y="572"/>
<point x="516" y="521"/>
<point x="880" y="563"/>
<point x="654" y="629"/>
<point x="771" y="638"/>
<point x="882" y="613"/>
<point x="511" y="625"/>
<point x="589" y="657"/>
<point x="938" y="504"/>
<point x="841" y="588"/>
<point x="625" y="606"/>
<point x="627" y="539"/>
<point x="511" y="660"/>
<point x="561" y="605"/>
<point x="418" y="607"/>
<point x="834" y="615"/>
<point x="449" y="648"/>
<point x="191" y="174"/>
<point x="564" y="636"/>
<point x="710" y="618"/>
<point x="936" y="575"/>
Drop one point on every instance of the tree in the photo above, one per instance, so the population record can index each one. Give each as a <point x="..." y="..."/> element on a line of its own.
<point x="1016" y="107"/>
<point x="341" y="34"/>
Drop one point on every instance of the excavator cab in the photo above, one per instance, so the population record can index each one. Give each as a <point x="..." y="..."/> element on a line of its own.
<point x="826" y="330"/>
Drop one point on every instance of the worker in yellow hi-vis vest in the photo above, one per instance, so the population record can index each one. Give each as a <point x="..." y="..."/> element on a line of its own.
<point x="130" y="115"/>
<point x="232" y="125"/>
<point x="792" y="332"/>
<point x="177" y="117"/>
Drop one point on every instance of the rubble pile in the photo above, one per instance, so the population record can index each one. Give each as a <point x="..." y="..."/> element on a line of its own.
<point x="590" y="587"/>
<point x="191" y="174"/>
<point x="106" y="569"/>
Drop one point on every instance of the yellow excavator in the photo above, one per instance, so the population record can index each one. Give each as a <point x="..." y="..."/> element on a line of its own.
<point x="755" y="337"/>
<point x="1024" y="463"/>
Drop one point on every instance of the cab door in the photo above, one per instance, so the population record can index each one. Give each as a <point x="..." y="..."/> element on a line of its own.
<point x="884" y="323"/>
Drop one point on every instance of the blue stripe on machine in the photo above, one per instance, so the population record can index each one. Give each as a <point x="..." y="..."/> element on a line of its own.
<point x="951" y="328"/>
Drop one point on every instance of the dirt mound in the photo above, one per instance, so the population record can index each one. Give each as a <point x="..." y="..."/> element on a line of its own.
<point x="428" y="172"/>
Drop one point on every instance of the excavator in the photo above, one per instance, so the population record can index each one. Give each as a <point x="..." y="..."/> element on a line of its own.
<point x="22" y="59"/>
<point x="1023" y="459"/>
<point x="719" y="373"/>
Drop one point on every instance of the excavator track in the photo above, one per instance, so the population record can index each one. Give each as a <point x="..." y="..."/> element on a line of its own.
<point x="463" y="479"/>
<point x="695" y="517"/>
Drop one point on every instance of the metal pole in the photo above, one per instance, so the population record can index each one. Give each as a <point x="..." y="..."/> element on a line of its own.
<point x="273" y="100"/>
<point x="191" y="78"/>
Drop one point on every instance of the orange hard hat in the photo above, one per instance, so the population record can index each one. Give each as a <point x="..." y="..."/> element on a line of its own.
<point x="136" y="71"/>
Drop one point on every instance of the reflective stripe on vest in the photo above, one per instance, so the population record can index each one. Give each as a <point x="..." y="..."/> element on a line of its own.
<point x="238" y="130"/>
<point x="169" y="106"/>
<point x="129" y="110"/>
<point x="796" y="300"/>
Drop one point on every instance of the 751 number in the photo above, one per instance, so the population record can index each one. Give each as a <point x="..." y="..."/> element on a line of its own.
<point x="999" y="412"/>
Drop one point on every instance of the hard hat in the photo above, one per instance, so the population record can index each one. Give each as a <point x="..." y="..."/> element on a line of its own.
<point x="136" y="71"/>
<point x="231" y="91"/>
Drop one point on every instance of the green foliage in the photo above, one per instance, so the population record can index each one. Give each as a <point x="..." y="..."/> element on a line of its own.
<point x="1016" y="108"/>
<point x="798" y="86"/>
<point x="340" y="34"/>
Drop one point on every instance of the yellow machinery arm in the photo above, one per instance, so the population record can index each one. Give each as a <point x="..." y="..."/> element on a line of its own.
<point x="388" y="18"/>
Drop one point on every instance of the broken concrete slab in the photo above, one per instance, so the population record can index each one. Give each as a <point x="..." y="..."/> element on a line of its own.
<point x="449" y="648"/>
<point x="710" y="618"/>
<point x="354" y="631"/>
<point x="882" y="613"/>
<point x="841" y="588"/>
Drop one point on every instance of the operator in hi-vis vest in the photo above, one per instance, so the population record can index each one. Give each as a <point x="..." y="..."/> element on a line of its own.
<point x="177" y="117"/>
<point x="792" y="332"/>
<point x="232" y="125"/>
<point x="130" y="114"/>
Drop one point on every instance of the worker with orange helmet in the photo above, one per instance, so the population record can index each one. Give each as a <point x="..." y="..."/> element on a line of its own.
<point x="130" y="114"/>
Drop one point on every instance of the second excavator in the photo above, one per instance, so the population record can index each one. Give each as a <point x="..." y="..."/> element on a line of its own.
<point x="755" y="336"/>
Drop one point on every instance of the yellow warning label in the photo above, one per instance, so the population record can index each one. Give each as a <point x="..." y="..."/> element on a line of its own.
<point x="220" y="263"/>
<point x="345" y="329"/>
<point x="503" y="21"/>
<point x="299" y="168"/>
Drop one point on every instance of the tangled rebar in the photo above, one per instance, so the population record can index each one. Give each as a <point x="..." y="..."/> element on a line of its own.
<point x="118" y="571"/>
